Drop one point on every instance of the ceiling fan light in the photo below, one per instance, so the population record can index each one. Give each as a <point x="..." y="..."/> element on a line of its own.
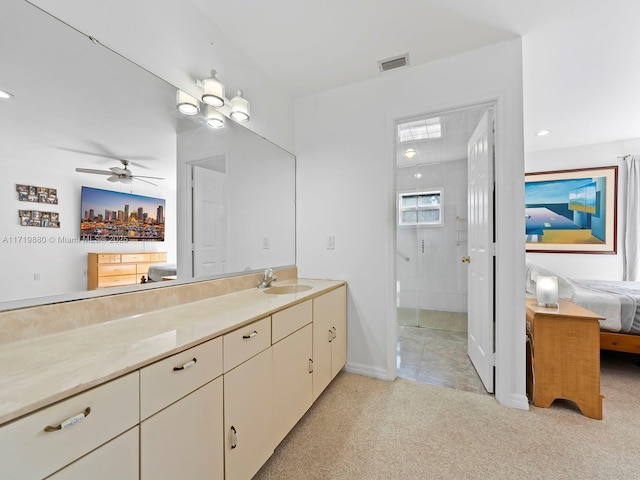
<point x="239" y="108"/>
<point x="187" y="105"/>
<point x="215" y="119"/>
<point x="213" y="91"/>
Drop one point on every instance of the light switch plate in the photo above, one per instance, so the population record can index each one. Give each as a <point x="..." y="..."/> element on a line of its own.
<point x="331" y="242"/>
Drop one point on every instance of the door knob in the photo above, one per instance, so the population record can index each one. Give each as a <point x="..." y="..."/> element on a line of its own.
<point x="466" y="259"/>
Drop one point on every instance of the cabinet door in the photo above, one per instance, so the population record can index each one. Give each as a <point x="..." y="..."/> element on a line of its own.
<point x="292" y="380"/>
<point x="329" y="338"/>
<point x="248" y="416"/>
<point x="185" y="439"/>
<point x="116" y="459"/>
<point x="338" y="300"/>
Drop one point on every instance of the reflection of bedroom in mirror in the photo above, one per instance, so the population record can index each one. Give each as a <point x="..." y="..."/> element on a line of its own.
<point x="53" y="127"/>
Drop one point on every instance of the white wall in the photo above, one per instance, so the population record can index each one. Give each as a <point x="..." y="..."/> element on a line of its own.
<point x="603" y="267"/>
<point x="345" y="150"/>
<point x="175" y="41"/>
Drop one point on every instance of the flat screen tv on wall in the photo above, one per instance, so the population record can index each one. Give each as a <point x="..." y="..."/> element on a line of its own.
<point x="115" y="216"/>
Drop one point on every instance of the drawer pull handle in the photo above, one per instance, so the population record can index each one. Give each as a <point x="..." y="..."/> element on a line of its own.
<point x="234" y="437"/>
<point x="310" y="365"/>
<point x="189" y="364"/>
<point x="334" y="333"/>
<point x="330" y="336"/>
<point x="251" y="335"/>
<point x="69" y="422"/>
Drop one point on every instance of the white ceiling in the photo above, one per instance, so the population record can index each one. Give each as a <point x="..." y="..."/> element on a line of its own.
<point x="308" y="47"/>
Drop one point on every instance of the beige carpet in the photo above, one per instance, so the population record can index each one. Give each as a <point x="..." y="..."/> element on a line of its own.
<point x="362" y="428"/>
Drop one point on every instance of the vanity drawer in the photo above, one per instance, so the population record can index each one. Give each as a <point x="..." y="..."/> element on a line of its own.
<point x="242" y="344"/>
<point x="117" y="269"/>
<point x="27" y="451"/>
<point x="287" y="321"/>
<point x="168" y="380"/>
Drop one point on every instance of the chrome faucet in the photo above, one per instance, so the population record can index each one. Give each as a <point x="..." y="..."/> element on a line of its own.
<point x="268" y="278"/>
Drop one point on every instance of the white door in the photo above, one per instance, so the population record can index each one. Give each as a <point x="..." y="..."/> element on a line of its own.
<point x="480" y="255"/>
<point x="209" y="222"/>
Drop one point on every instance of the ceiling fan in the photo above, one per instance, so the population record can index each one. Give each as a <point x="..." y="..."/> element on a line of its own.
<point x="118" y="174"/>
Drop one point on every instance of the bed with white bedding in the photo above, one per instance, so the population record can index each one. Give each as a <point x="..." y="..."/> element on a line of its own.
<point x="617" y="301"/>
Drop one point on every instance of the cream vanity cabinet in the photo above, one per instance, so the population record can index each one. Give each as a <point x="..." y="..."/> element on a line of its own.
<point x="248" y="399"/>
<point x="292" y="366"/>
<point x="329" y="337"/>
<point x="116" y="459"/>
<point x="182" y="413"/>
<point x="43" y="442"/>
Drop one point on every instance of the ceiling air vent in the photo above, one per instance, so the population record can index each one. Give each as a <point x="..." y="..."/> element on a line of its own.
<point x="393" y="62"/>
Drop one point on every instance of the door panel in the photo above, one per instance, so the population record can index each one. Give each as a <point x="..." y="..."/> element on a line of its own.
<point x="480" y="256"/>
<point x="209" y="222"/>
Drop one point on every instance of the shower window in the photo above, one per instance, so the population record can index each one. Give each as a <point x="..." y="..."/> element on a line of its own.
<point x="420" y="208"/>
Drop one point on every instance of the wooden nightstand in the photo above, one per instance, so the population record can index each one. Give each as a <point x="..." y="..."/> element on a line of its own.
<point x="565" y="360"/>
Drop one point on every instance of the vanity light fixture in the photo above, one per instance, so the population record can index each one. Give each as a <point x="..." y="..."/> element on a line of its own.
<point x="187" y="104"/>
<point x="215" y="119"/>
<point x="239" y="108"/>
<point x="213" y="91"/>
<point x="409" y="153"/>
<point x="4" y="95"/>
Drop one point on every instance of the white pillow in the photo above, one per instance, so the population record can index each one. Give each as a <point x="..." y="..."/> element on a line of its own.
<point x="533" y="271"/>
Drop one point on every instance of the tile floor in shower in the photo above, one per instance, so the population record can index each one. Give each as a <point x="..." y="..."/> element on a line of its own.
<point x="436" y="351"/>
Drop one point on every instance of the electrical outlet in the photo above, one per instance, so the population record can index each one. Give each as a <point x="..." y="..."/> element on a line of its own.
<point x="266" y="242"/>
<point x="36" y="277"/>
<point x="331" y="242"/>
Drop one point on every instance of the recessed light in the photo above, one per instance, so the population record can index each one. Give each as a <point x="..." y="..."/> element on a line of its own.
<point x="417" y="175"/>
<point x="5" y="95"/>
<point x="542" y="133"/>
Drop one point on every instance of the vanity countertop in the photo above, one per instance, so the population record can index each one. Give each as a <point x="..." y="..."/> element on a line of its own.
<point x="38" y="371"/>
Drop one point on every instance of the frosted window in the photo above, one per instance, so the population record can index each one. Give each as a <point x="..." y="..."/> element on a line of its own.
<point x="409" y="217"/>
<point x="428" y="216"/>
<point x="420" y="208"/>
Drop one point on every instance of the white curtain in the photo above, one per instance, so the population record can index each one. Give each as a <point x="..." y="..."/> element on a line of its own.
<point x="632" y="216"/>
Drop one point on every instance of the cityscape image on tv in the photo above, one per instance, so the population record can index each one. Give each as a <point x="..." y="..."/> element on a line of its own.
<point x="109" y="215"/>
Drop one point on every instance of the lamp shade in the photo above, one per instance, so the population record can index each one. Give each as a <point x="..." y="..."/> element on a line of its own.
<point x="239" y="108"/>
<point x="213" y="91"/>
<point x="215" y="119"/>
<point x="547" y="291"/>
<point x="187" y="104"/>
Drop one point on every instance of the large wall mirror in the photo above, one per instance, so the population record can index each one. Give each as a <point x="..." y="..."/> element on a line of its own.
<point x="229" y="194"/>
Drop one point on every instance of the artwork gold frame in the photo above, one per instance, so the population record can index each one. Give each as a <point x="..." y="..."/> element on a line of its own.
<point x="572" y="211"/>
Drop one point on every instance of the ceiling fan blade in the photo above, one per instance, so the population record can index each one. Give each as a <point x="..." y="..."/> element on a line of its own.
<point x="145" y="176"/>
<point x="93" y="170"/>
<point x="145" y="181"/>
<point x="110" y="155"/>
<point x="114" y="178"/>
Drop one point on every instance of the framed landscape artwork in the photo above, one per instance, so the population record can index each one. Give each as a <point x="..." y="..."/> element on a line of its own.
<point x="572" y="211"/>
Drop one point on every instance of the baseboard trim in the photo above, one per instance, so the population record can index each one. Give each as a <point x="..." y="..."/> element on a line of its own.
<point x="368" y="371"/>
<point x="513" y="400"/>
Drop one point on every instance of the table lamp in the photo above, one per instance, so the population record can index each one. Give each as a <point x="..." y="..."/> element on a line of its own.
<point x="547" y="291"/>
